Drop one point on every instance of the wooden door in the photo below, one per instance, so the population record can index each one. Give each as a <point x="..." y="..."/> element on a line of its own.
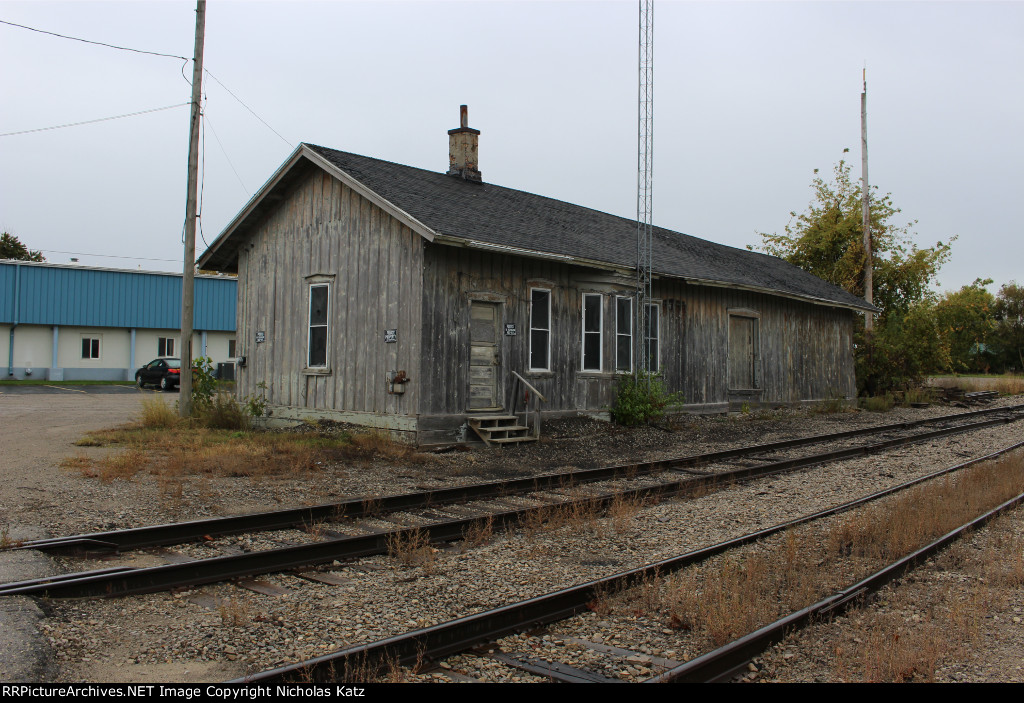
<point x="742" y="349"/>
<point x="484" y="356"/>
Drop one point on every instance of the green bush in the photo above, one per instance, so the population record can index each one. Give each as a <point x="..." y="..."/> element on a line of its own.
<point x="256" y="406"/>
<point x="641" y="398"/>
<point x="204" y="383"/>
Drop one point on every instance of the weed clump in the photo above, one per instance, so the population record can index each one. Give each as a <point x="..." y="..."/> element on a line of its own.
<point x="412" y="548"/>
<point x="223" y="412"/>
<point x="155" y="413"/>
<point x="878" y="403"/>
<point x="641" y="398"/>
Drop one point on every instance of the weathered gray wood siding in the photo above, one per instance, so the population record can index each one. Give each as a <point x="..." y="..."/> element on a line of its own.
<point x="373" y="264"/>
<point x="804" y="350"/>
<point x="453" y="276"/>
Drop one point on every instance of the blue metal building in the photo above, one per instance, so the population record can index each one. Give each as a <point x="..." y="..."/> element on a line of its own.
<point x="69" y="322"/>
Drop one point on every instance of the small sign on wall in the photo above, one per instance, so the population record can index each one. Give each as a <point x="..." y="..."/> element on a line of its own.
<point x="510" y="329"/>
<point x="390" y="336"/>
<point x="261" y="337"/>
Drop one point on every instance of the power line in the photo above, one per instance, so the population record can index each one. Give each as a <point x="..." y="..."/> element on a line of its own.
<point x="206" y="121"/>
<point x="152" y="53"/>
<point x="97" y="43"/>
<point x="248" y="108"/>
<point x="100" y="119"/>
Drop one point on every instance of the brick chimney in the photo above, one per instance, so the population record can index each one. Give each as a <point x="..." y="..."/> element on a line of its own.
<point x="462" y="149"/>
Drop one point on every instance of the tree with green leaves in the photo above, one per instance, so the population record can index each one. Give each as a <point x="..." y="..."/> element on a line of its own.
<point x="1009" y="332"/>
<point x="12" y="248"/>
<point x="827" y="240"/>
<point x="965" y="323"/>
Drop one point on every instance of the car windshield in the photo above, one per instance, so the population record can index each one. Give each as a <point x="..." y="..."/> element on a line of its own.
<point x="174" y="363"/>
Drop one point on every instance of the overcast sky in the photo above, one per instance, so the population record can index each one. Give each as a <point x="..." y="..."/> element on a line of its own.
<point x="750" y="98"/>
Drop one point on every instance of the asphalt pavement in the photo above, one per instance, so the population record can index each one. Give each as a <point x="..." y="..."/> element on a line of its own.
<point x="40" y="389"/>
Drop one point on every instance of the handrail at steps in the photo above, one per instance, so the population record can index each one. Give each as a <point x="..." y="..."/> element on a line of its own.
<point x="528" y="385"/>
<point x="536" y="404"/>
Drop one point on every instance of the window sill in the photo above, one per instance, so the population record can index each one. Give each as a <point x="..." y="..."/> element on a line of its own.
<point x="326" y="371"/>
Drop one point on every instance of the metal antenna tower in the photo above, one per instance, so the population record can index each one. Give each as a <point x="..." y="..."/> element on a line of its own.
<point x="645" y="169"/>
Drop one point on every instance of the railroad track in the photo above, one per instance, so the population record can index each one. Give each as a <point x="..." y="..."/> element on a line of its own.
<point x="450" y="514"/>
<point x="474" y="634"/>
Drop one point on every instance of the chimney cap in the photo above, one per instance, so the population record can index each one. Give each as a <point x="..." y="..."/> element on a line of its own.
<point x="463" y="122"/>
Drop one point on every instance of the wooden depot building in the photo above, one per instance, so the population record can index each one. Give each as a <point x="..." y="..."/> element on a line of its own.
<point x="395" y="297"/>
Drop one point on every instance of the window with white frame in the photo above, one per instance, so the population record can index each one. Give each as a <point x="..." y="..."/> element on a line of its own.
<point x="319" y="308"/>
<point x="540" y="329"/>
<point x="165" y="346"/>
<point x="651" y="338"/>
<point x="592" y="324"/>
<point x="624" y="334"/>
<point x="90" y="348"/>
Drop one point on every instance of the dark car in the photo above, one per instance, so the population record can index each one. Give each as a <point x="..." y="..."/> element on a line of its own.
<point x="165" y="373"/>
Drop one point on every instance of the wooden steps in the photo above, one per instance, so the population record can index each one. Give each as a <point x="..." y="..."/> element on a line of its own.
<point x="500" y="429"/>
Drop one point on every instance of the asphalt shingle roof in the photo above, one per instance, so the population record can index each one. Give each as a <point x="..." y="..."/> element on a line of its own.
<point x="489" y="213"/>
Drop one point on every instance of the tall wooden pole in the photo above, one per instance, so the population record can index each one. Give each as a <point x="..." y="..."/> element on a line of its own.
<point x="869" y="320"/>
<point x="188" y="277"/>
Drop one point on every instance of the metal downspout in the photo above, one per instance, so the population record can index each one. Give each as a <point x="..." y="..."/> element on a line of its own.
<point x="17" y="307"/>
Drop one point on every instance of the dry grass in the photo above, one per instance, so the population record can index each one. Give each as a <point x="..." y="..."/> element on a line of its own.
<point x="412" y="548"/>
<point x="944" y="619"/>
<point x="5" y="538"/>
<point x="479" y="532"/>
<point x="234" y="613"/>
<point x="728" y="597"/>
<point x="622" y="511"/>
<point x="878" y="403"/>
<point x="1007" y="384"/>
<point x="889" y="649"/>
<point x="158" y="414"/>
<point x="316" y="530"/>
<point x="164" y="445"/>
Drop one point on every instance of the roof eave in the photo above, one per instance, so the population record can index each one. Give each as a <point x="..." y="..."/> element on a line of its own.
<point x="452" y="240"/>
<point x="303" y="152"/>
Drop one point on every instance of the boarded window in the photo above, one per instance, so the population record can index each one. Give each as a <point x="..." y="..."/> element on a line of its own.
<point x="651" y="338"/>
<point x="591" y="332"/>
<point x="742" y="352"/>
<point x="90" y="348"/>
<point x="624" y="334"/>
<point x="540" y="329"/>
<point x="318" y="328"/>
<point x="165" y="346"/>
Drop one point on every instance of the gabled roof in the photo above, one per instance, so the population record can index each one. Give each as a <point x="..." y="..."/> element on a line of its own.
<point x="453" y="211"/>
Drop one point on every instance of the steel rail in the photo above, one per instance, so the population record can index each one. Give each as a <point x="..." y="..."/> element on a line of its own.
<point x="201" y="571"/>
<point x="459" y="635"/>
<point x="177" y="533"/>
<point x="716" y="665"/>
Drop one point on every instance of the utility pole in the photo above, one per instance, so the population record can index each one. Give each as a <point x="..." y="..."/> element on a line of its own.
<point x="188" y="272"/>
<point x="869" y="320"/>
<point x="645" y="173"/>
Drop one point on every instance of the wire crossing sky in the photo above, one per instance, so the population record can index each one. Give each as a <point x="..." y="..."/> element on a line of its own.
<point x="752" y="97"/>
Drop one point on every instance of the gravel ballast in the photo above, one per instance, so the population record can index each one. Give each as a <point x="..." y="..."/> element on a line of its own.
<point x="223" y="631"/>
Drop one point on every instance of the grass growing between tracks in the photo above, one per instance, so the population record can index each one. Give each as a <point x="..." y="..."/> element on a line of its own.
<point x="732" y="595"/>
<point x="942" y="614"/>
<point x="169" y="447"/>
